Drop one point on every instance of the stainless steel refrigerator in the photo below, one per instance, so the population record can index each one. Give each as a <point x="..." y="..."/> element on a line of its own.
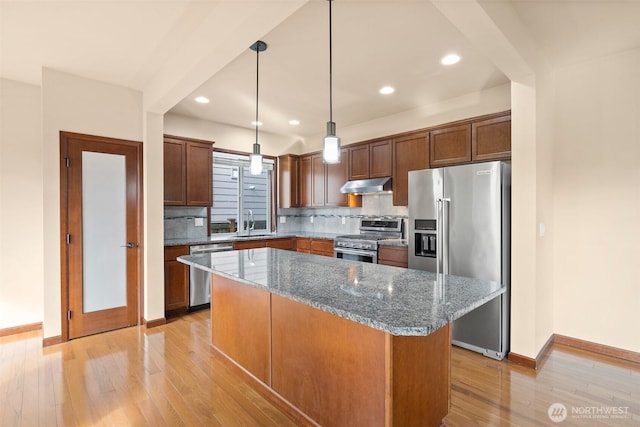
<point x="459" y="224"/>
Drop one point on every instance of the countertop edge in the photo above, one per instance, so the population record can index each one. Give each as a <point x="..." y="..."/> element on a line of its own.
<point x="384" y="327"/>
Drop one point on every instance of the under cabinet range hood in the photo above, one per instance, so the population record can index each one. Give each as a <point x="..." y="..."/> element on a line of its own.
<point x="364" y="186"/>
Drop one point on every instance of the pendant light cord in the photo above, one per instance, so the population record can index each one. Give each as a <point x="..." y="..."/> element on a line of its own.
<point x="330" y="67"/>
<point x="257" y="84"/>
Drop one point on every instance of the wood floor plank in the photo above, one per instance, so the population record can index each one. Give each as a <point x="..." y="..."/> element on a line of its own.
<point x="168" y="376"/>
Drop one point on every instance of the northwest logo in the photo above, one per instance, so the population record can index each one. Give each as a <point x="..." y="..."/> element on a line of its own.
<point x="557" y="412"/>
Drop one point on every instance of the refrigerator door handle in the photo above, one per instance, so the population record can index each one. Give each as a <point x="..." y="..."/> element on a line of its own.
<point x="439" y="236"/>
<point x="446" y="204"/>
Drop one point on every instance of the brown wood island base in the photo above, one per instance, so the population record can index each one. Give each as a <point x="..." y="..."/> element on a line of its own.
<point x="327" y="370"/>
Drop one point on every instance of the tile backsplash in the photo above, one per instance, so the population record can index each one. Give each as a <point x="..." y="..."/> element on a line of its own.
<point x="180" y="222"/>
<point x="330" y="220"/>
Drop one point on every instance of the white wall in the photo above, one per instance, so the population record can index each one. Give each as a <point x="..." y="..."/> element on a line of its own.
<point x="21" y="257"/>
<point x="75" y="104"/>
<point x="228" y="137"/>
<point x="523" y="219"/>
<point x="153" y="247"/>
<point x="597" y="201"/>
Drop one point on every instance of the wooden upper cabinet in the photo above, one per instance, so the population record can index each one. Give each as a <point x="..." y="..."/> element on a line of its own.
<point x="358" y="162"/>
<point x="410" y="152"/>
<point x="317" y="180"/>
<point x="175" y="187"/>
<point x="288" y="179"/>
<point x="380" y="159"/>
<point x="336" y="176"/>
<point x="491" y="139"/>
<point x="188" y="172"/>
<point x="199" y="174"/>
<point x="306" y="181"/>
<point x="450" y="146"/>
<point x="372" y="160"/>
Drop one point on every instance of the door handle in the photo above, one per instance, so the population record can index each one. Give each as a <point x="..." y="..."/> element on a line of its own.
<point x="129" y="245"/>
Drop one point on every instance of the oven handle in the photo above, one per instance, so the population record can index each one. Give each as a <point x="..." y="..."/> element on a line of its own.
<point x="371" y="254"/>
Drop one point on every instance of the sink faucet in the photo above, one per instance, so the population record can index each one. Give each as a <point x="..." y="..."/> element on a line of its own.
<point x="251" y="223"/>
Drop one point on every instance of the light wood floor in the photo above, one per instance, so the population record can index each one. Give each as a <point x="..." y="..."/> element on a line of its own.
<point x="166" y="376"/>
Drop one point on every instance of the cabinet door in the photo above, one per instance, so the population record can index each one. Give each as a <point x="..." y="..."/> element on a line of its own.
<point x="380" y="159"/>
<point x="491" y="139"/>
<point x="176" y="285"/>
<point x="359" y="162"/>
<point x="303" y="244"/>
<point x="199" y="174"/>
<point x="450" y="146"/>
<point x="317" y="184"/>
<point x="336" y="176"/>
<point x="410" y="152"/>
<point x="176" y="279"/>
<point x="306" y="181"/>
<point x="321" y="247"/>
<point x="397" y="256"/>
<point x="174" y="174"/>
<point x="288" y="194"/>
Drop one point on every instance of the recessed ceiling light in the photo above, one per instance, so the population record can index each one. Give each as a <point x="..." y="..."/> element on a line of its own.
<point x="202" y="100"/>
<point x="450" y="59"/>
<point x="294" y="122"/>
<point x="387" y="90"/>
<point x="254" y="123"/>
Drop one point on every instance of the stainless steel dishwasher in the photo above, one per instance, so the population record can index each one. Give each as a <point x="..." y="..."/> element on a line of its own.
<point x="200" y="280"/>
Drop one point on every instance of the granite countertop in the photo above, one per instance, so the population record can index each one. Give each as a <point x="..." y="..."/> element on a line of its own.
<point x="233" y="237"/>
<point x="394" y="242"/>
<point x="396" y="300"/>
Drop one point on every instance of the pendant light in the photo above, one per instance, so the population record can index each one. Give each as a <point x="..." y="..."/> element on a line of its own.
<point x="331" y="146"/>
<point x="255" y="159"/>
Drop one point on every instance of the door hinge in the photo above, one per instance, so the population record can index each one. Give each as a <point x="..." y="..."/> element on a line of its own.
<point x="67" y="161"/>
<point x="68" y="238"/>
<point x="68" y="314"/>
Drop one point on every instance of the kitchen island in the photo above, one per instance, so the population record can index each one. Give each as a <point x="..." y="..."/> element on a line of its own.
<point x="339" y="342"/>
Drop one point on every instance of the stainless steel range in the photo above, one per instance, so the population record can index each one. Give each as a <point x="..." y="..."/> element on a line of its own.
<point x="364" y="246"/>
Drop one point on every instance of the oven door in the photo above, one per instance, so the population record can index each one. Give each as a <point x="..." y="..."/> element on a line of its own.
<point x="356" y="255"/>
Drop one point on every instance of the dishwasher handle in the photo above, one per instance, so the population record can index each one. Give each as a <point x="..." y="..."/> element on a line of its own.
<point x="205" y="249"/>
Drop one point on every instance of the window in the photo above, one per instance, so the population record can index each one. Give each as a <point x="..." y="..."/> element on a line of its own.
<point x="240" y="200"/>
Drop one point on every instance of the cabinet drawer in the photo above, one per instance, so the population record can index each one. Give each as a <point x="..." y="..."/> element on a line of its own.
<point x="173" y="252"/>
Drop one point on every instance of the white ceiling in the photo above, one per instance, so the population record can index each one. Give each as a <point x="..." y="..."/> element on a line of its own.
<point x="376" y="42"/>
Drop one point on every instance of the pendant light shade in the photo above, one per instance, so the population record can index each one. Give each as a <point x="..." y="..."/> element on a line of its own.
<point x="255" y="158"/>
<point x="331" y="145"/>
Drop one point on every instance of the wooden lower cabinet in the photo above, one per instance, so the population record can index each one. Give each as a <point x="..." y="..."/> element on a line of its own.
<point x="176" y="279"/>
<point x="249" y="244"/>
<point x="240" y="320"/>
<point x="328" y="369"/>
<point x="397" y="256"/>
<point x="287" y="243"/>
<point x="321" y="247"/>
<point x="314" y="246"/>
<point x="303" y="244"/>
